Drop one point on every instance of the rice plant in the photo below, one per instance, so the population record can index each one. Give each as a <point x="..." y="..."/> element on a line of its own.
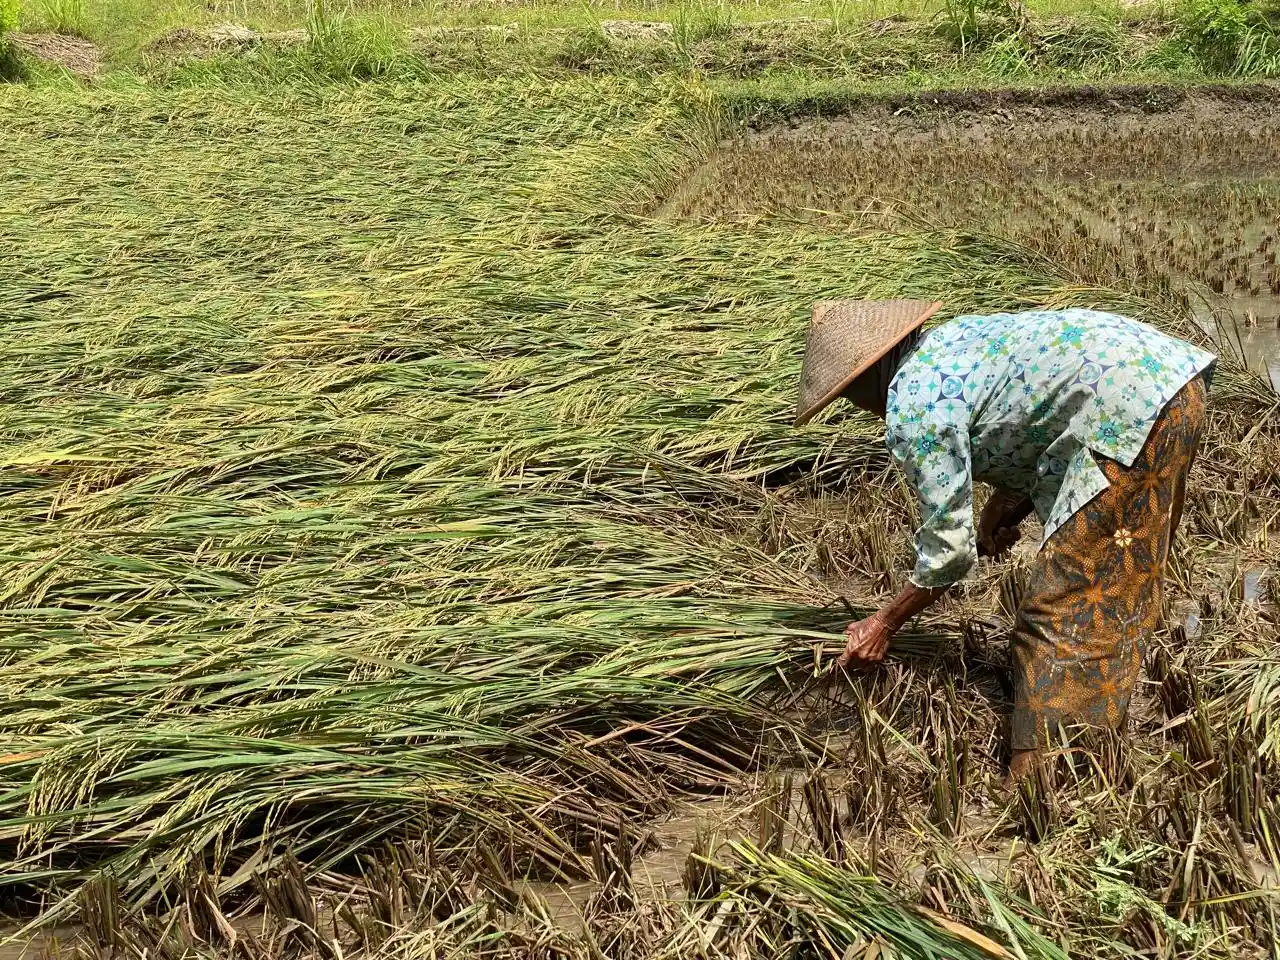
<point x="397" y="485"/>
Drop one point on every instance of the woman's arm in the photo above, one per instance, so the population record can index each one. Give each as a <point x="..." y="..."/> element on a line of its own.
<point x="934" y="455"/>
<point x="867" y="640"/>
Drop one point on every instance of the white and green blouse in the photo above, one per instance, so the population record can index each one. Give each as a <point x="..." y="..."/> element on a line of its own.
<point x="1023" y="401"/>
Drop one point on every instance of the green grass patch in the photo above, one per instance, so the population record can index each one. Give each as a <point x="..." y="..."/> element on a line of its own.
<point x="840" y="40"/>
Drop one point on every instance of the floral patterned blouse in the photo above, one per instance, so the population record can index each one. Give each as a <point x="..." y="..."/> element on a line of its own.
<point x="1021" y="401"/>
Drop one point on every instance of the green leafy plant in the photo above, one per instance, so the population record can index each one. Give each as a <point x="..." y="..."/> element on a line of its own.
<point x="10" y="65"/>
<point x="700" y="20"/>
<point x="1118" y="898"/>
<point x="349" y="48"/>
<point x="1228" y="36"/>
<point x="64" y="16"/>
<point x="971" y="23"/>
<point x="840" y="13"/>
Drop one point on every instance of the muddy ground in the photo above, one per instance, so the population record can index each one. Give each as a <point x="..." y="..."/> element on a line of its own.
<point x="1097" y="104"/>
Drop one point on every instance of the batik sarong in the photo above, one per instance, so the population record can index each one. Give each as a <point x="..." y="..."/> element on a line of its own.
<point x="1094" y="593"/>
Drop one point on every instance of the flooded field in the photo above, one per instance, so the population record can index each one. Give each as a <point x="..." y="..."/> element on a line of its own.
<point x="1176" y="197"/>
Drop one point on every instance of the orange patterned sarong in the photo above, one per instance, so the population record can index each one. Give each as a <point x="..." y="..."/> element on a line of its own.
<point x="1094" y="593"/>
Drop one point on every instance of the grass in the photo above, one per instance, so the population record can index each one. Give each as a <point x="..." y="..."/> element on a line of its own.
<point x="64" y="16"/>
<point x="125" y="22"/>
<point x="841" y="40"/>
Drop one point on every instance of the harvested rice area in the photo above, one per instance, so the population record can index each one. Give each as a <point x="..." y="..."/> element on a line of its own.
<point x="407" y="549"/>
<point x="1158" y="188"/>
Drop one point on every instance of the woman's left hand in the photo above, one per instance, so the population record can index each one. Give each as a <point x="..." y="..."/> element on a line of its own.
<point x="997" y="527"/>
<point x="866" y="641"/>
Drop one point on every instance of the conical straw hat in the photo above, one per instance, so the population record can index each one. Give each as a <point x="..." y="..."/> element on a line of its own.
<point x="845" y="338"/>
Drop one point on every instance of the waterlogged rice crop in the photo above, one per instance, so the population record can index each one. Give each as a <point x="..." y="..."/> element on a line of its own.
<point x="380" y="478"/>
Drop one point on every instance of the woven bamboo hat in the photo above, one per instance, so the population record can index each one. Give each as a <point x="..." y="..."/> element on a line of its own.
<point x="845" y="338"/>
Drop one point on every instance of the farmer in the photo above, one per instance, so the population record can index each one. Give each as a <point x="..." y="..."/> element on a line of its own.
<point x="1090" y="420"/>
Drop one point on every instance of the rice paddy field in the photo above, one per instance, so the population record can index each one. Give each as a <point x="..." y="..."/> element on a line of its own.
<point x="1177" y="196"/>
<point x="407" y="554"/>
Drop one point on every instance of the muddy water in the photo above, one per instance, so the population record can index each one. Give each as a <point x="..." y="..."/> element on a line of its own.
<point x="656" y="874"/>
<point x="1261" y="349"/>
<point x="1254" y="586"/>
<point x="47" y="945"/>
<point x="1251" y="335"/>
<point x="1168" y="197"/>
